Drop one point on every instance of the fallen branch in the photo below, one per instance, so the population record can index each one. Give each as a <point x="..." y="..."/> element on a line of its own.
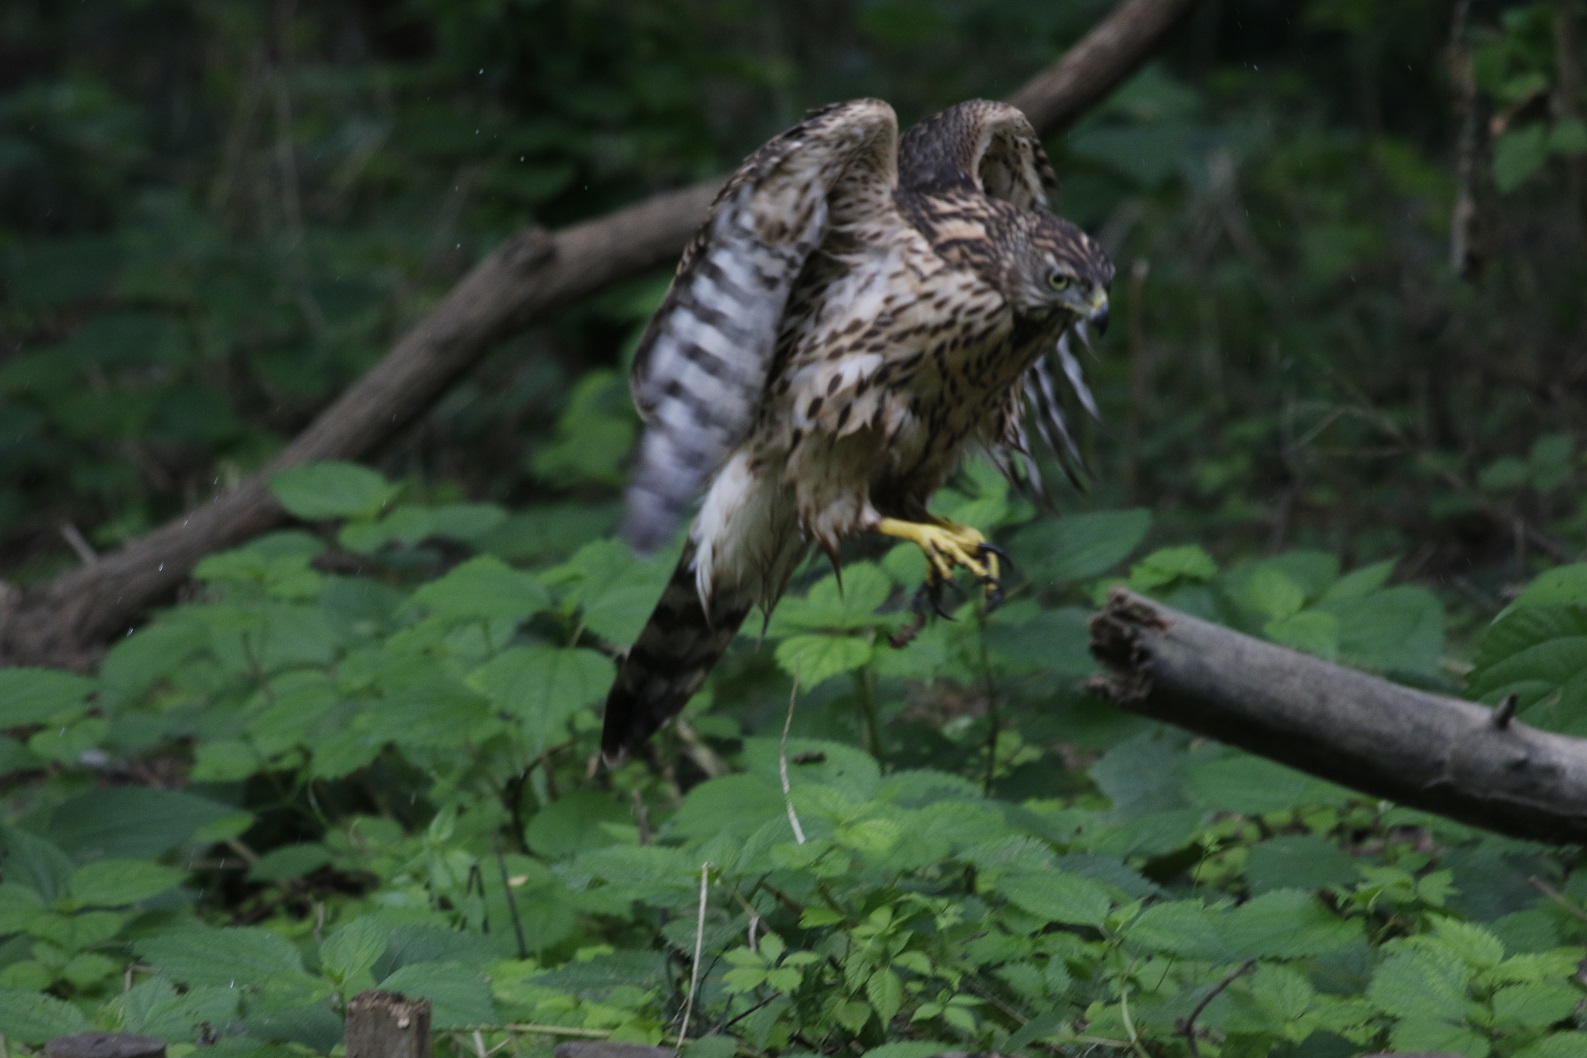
<point x="65" y="621"/>
<point x="1425" y="751"/>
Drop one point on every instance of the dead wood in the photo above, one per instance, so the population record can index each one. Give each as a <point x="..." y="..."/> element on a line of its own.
<point x="1426" y="751"/>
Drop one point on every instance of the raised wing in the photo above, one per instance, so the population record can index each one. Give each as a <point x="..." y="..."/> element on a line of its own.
<point x="982" y="144"/>
<point x="702" y="364"/>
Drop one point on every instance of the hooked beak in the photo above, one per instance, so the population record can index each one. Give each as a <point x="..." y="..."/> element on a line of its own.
<point x="1097" y="311"/>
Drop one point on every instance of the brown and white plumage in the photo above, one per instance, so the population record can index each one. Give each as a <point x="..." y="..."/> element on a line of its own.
<point x="857" y="310"/>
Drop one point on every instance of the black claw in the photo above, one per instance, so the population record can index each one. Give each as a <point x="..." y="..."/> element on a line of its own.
<point x="994" y="594"/>
<point x="930" y="594"/>
<point x="985" y="548"/>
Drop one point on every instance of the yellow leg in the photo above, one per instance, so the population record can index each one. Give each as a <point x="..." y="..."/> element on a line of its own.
<point x="947" y="546"/>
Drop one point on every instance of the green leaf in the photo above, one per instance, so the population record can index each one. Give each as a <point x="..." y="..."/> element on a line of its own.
<point x="1178" y="927"/>
<point x="134" y="822"/>
<point x="204" y="955"/>
<point x="1395" y="630"/>
<point x="543" y="688"/>
<point x="1560" y="586"/>
<point x="1423" y="1035"/>
<point x="1530" y="1007"/>
<point x="1363" y="581"/>
<point x="31" y="1017"/>
<point x="122" y="882"/>
<point x="1313" y="631"/>
<point x="351" y="951"/>
<point x="1056" y="896"/>
<point x="827" y="605"/>
<point x="35" y="696"/>
<point x="1078" y="547"/>
<point x="154" y="1007"/>
<point x="332" y="490"/>
<point x="1472" y="942"/>
<point x="1421" y="982"/>
<point x="812" y="659"/>
<point x="289" y="861"/>
<point x="1287" y="924"/>
<point x="1163" y="567"/>
<point x="885" y="990"/>
<point x="481" y="588"/>
<point x="1272" y="593"/>
<point x="1518" y="154"/>
<point x="1297" y="861"/>
<point x="1568" y="137"/>
<point x="579" y="819"/>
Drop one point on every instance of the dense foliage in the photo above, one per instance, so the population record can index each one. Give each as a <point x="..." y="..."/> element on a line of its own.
<point x="358" y="754"/>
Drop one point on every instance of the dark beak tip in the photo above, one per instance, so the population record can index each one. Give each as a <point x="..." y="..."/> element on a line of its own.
<point x="1099" y="320"/>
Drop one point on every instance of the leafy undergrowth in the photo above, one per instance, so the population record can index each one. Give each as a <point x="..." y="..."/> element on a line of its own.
<point x="360" y="758"/>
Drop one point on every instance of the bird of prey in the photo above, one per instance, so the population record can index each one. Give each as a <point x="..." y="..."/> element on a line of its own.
<point x="858" y="309"/>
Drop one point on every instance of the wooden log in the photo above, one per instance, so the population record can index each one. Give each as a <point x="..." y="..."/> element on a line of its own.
<point x="387" y="1025"/>
<point x="1427" y="751"/>
<point x="105" y="1045"/>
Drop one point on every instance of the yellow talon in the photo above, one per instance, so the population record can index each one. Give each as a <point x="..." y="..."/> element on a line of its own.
<point x="946" y="546"/>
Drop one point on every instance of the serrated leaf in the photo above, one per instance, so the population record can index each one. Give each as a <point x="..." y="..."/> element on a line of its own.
<point x="543" y="687"/>
<point x="31" y="696"/>
<point x="1057" y="896"/>
<point x="1533" y="1006"/>
<point x="1286" y="924"/>
<point x="133" y="822"/>
<point x="1472" y="942"/>
<point x="32" y="1017"/>
<point x="812" y="659"/>
<point x="1178" y="927"/>
<point x="331" y="490"/>
<point x="121" y="882"/>
<point x="1419" y="982"/>
<point x="459" y="996"/>
<point x="834" y="604"/>
<point x="1297" y="861"/>
<point x="483" y="588"/>
<point x="289" y="861"/>
<point x="351" y="951"/>
<point x="1395" y="630"/>
<point x="203" y="955"/>
<point x="1078" y="547"/>
<point x="885" y="990"/>
<point x="154" y="1007"/>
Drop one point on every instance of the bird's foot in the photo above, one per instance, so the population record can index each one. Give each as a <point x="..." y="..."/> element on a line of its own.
<point x="948" y="547"/>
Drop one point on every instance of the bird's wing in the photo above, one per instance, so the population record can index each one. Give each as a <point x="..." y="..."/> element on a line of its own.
<point x="983" y="144"/>
<point x="1045" y="394"/>
<point x="992" y="148"/>
<point x="702" y="364"/>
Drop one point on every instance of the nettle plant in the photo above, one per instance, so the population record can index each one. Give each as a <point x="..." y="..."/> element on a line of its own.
<point x="361" y="756"/>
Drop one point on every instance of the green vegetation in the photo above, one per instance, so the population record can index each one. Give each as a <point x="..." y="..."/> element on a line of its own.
<point x="357" y="753"/>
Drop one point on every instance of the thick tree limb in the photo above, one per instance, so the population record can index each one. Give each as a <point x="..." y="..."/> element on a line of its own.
<point x="1425" y="751"/>
<point x="534" y="273"/>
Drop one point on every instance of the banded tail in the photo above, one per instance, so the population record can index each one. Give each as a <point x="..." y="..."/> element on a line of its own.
<point x="670" y="659"/>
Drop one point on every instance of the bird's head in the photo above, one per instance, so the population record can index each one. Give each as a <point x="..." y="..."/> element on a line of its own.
<point x="1063" y="270"/>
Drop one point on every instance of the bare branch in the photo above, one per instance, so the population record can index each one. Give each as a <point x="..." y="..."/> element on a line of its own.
<point x="1422" y="750"/>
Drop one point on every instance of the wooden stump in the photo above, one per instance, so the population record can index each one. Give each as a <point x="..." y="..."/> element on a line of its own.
<point x="105" y="1045"/>
<point x="387" y="1025"/>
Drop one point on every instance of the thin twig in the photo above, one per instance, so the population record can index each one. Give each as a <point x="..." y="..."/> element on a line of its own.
<point x="512" y="902"/>
<point x="699" y="944"/>
<point x="1557" y="897"/>
<point x="79" y="544"/>
<point x="1188" y="1027"/>
<point x="782" y="766"/>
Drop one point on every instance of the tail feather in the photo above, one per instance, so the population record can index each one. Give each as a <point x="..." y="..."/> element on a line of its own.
<point x="671" y="658"/>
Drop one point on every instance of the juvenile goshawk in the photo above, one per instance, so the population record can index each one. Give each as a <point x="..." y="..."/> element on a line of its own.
<point x="857" y="310"/>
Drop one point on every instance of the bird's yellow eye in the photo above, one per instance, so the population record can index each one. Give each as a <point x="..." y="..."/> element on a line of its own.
<point x="1059" y="281"/>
